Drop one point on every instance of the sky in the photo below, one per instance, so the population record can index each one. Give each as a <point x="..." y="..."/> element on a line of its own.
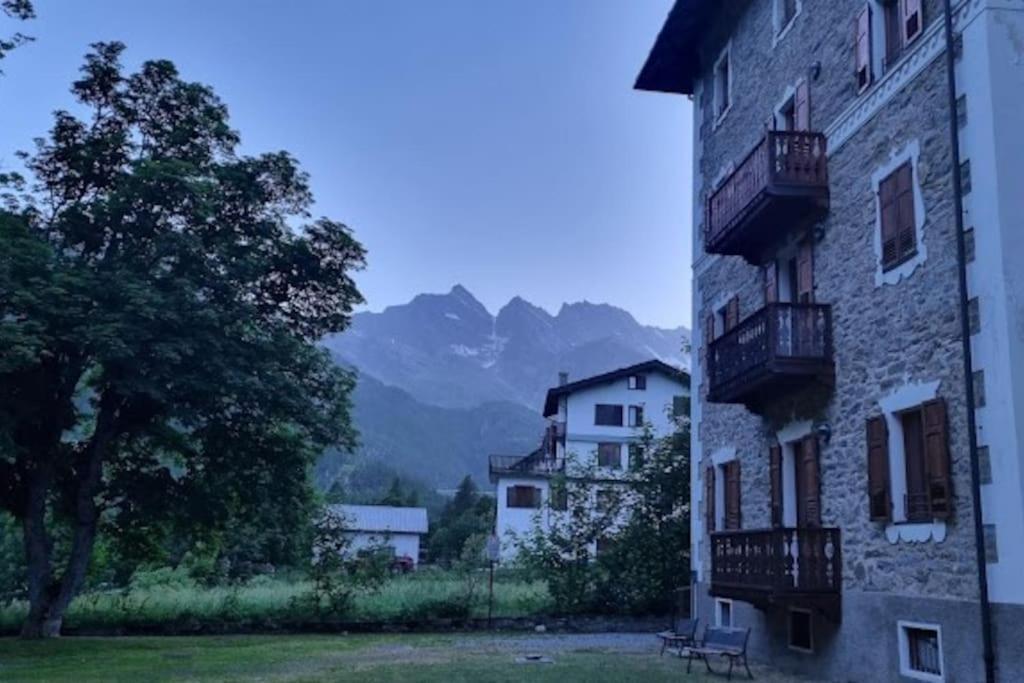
<point x="493" y="143"/>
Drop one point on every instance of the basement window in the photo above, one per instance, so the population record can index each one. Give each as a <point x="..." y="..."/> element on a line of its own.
<point x="920" y="651"/>
<point x="801" y="636"/>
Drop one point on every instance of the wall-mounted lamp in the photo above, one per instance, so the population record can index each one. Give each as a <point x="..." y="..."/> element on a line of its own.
<point x="816" y="70"/>
<point x="824" y="431"/>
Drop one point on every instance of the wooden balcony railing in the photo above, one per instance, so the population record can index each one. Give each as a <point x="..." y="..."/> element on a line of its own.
<point x="778" y="566"/>
<point x="780" y="185"/>
<point x="777" y="348"/>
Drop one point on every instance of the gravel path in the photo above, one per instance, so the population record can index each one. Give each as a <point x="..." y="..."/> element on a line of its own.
<point x="563" y="642"/>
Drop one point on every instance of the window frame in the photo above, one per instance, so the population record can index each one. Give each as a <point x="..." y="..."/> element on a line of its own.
<point x="604" y="498"/>
<point x="607" y="445"/>
<point x="637" y="383"/>
<point x="718" y="111"/>
<point x="616" y="408"/>
<point x="636" y="416"/>
<point x="537" y="496"/>
<point x="780" y="26"/>
<point x="719" y="603"/>
<point x="903" y="636"/>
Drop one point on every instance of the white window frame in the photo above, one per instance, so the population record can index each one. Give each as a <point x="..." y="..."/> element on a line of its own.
<point x="904" y="648"/>
<point x="634" y="381"/>
<point x="631" y="416"/>
<point x="910" y="152"/>
<point x="789" y="630"/>
<point x="779" y="30"/>
<point x="905" y="398"/>
<point x="718" y="112"/>
<point x="718" y="612"/>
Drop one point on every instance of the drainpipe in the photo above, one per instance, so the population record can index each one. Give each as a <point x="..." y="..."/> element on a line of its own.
<point x="965" y="335"/>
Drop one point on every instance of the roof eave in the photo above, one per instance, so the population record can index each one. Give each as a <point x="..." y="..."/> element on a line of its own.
<point x="673" y="63"/>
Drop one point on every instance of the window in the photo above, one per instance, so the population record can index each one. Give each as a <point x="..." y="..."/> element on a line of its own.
<point x="722" y="86"/>
<point x="723" y="613"/>
<point x="731" y="484"/>
<point x="609" y="455"/>
<point x="603" y="545"/>
<point x="636" y="456"/>
<point x="608" y="415"/>
<point x="785" y="13"/>
<point x="523" y="497"/>
<point x="896" y="215"/>
<point x="901" y="25"/>
<point x="918" y="476"/>
<point x="680" y="406"/>
<point x="559" y="496"/>
<point x="920" y="651"/>
<point x="786" y="119"/>
<point x="800" y="631"/>
<point x="729" y="315"/>
<point x="862" y="48"/>
<point x="636" y="416"/>
<point x="638" y="382"/>
<point x="605" y="500"/>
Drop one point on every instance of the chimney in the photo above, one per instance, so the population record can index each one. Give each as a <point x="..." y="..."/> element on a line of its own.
<point x="563" y="379"/>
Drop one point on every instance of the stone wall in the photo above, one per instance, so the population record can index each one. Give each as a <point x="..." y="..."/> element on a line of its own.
<point x="885" y="336"/>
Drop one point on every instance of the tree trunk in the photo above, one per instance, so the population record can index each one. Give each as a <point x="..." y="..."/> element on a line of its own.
<point x="48" y="598"/>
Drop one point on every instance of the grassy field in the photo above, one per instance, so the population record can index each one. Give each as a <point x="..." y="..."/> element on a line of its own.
<point x="414" y="596"/>
<point x="404" y="658"/>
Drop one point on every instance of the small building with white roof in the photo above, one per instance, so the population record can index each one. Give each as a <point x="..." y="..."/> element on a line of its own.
<point x="375" y="525"/>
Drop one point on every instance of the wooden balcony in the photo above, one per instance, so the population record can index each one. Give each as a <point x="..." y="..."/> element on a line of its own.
<point x="779" y="349"/>
<point x="537" y="464"/>
<point x="797" y="567"/>
<point x="782" y="185"/>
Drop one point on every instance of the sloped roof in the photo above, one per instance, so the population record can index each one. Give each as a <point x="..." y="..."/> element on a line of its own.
<point x="384" y="518"/>
<point x="673" y="62"/>
<point x="551" y="401"/>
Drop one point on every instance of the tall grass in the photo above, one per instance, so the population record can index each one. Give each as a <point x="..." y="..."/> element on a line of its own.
<point x="279" y="602"/>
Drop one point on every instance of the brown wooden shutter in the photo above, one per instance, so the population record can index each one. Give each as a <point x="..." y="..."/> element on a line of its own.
<point x="911" y="19"/>
<point x="771" y="282"/>
<point x="709" y="498"/>
<point x="802" y="106"/>
<point x="862" y="48"/>
<point x="889" y="218"/>
<point x="732" y="495"/>
<point x="906" y="233"/>
<point x="775" y="475"/>
<point x="879" y="491"/>
<point x="732" y="313"/>
<point x="892" y="23"/>
<point x="936" y="457"/>
<point x="805" y="273"/>
<point x="810" y="483"/>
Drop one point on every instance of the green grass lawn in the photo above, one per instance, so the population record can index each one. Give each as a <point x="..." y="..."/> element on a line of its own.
<point x="404" y="658"/>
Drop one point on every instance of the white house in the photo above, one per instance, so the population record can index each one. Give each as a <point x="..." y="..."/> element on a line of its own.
<point x="397" y="527"/>
<point x="597" y="421"/>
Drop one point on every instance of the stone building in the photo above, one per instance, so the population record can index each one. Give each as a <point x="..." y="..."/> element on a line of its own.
<point x="834" y="481"/>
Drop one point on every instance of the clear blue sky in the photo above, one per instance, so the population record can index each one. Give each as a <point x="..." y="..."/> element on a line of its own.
<point x="498" y="144"/>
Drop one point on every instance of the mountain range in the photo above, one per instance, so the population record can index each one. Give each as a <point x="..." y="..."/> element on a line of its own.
<point x="443" y="382"/>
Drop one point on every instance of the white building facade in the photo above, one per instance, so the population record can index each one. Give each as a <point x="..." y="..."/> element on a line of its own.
<point x="400" y="528"/>
<point x="596" y="425"/>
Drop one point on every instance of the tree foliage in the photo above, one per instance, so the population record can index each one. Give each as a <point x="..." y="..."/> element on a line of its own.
<point x="20" y="10"/>
<point x="645" y="531"/>
<point x="161" y="297"/>
<point x="466" y="519"/>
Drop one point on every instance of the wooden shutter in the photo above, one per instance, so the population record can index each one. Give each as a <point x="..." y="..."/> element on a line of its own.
<point x="862" y="48"/>
<point x="771" y="282"/>
<point x="802" y="106"/>
<point x="892" y="23"/>
<point x="889" y="219"/>
<point x="936" y="458"/>
<point x="810" y="483"/>
<point x="775" y="475"/>
<point x="709" y="498"/>
<point x="879" y="491"/>
<point x="906" y="234"/>
<point x="732" y="313"/>
<point x="732" y="495"/>
<point x="910" y="11"/>
<point x="805" y="273"/>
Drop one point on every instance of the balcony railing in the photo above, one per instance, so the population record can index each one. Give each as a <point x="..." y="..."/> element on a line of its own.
<point x="781" y="185"/>
<point x="777" y="349"/>
<point x="779" y="566"/>
<point x="528" y="465"/>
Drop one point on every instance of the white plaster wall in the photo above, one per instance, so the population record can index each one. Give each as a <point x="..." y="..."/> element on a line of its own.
<point x="513" y="522"/>
<point x="991" y="75"/>
<point x="402" y="544"/>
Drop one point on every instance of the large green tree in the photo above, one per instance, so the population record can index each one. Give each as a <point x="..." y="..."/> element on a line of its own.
<point x="161" y="299"/>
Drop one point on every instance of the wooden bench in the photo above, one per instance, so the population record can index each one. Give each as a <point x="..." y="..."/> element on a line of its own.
<point x="730" y="643"/>
<point x="683" y="634"/>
